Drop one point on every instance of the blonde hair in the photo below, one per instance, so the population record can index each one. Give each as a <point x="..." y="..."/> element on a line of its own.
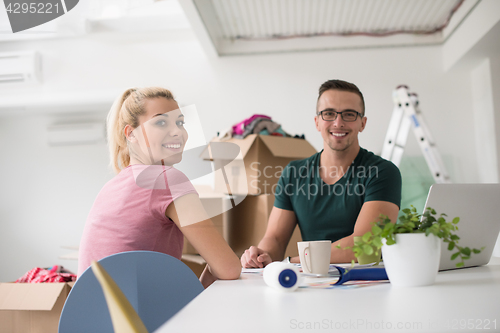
<point x="125" y="111"/>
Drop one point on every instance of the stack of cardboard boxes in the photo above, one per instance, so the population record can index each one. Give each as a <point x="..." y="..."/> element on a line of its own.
<point x="246" y="174"/>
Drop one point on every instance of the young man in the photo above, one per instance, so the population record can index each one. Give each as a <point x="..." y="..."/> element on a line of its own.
<point x="336" y="193"/>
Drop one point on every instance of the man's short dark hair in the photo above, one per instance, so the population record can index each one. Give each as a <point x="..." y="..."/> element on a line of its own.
<point x="342" y="86"/>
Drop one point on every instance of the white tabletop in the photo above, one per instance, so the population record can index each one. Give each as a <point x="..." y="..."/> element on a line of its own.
<point x="460" y="300"/>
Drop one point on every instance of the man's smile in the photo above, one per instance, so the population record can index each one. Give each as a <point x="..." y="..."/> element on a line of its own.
<point x="338" y="134"/>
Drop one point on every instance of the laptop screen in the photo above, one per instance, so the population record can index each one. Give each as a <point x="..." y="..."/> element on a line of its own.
<point x="477" y="207"/>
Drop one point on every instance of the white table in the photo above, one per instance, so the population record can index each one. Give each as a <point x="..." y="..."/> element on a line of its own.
<point x="460" y="300"/>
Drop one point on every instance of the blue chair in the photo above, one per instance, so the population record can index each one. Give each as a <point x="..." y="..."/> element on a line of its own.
<point x="156" y="285"/>
<point x="123" y="315"/>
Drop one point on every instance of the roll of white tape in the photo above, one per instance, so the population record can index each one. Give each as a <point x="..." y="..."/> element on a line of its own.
<point x="282" y="276"/>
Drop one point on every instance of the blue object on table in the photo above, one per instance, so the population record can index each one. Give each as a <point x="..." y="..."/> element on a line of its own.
<point x="364" y="274"/>
<point x="287" y="278"/>
<point x="156" y="285"/>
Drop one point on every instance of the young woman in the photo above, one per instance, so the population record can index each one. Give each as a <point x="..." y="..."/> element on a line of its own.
<point x="150" y="205"/>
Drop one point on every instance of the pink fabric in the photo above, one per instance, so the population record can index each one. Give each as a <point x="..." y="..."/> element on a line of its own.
<point x="129" y="214"/>
<point x="239" y="128"/>
<point x="41" y="275"/>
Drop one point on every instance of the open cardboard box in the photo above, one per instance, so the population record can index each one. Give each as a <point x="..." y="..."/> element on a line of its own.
<point x="32" y="307"/>
<point x="256" y="166"/>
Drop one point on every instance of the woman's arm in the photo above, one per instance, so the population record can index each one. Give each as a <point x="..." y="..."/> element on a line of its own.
<point x="188" y="214"/>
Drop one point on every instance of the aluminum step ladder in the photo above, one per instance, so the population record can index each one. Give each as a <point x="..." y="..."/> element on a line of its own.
<point x="407" y="115"/>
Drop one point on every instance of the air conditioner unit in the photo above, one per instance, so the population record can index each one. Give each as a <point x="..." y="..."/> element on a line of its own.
<point x="76" y="134"/>
<point x="20" y="67"/>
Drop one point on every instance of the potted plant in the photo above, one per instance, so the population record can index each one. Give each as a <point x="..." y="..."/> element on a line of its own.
<point x="411" y="247"/>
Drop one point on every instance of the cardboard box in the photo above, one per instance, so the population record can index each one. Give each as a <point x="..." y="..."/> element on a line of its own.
<point x="247" y="222"/>
<point x="212" y="202"/>
<point x="32" y="307"/>
<point x="195" y="262"/>
<point x="256" y="166"/>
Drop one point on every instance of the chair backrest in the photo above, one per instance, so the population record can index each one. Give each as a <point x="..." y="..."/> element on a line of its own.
<point x="123" y="315"/>
<point x="156" y="285"/>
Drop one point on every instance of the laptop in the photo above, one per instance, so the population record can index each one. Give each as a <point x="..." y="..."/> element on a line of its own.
<point x="477" y="206"/>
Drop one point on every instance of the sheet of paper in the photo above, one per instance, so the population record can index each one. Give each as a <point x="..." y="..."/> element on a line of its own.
<point x="252" y="270"/>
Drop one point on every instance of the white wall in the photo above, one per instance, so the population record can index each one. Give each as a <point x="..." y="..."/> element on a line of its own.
<point x="484" y="122"/>
<point x="479" y="22"/>
<point x="47" y="192"/>
<point x="495" y="86"/>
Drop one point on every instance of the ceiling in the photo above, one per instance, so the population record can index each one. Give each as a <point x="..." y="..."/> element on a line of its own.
<point x="230" y="27"/>
<point x="233" y="27"/>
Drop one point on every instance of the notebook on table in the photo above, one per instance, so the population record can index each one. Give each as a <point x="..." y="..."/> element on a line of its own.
<point x="477" y="206"/>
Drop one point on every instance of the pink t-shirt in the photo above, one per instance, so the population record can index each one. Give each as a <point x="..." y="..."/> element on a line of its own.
<point x="129" y="214"/>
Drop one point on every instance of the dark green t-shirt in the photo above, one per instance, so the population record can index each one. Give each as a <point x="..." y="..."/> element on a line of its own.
<point x="329" y="212"/>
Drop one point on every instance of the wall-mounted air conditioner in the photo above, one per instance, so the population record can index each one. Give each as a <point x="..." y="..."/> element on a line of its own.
<point x="76" y="134"/>
<point x="20" y="67"/>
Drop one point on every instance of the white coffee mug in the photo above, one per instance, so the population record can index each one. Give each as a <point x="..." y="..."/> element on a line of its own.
<point x="315" y="256"/>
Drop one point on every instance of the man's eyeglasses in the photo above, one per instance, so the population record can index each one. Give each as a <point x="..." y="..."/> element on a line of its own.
<point x="330" y="115"/>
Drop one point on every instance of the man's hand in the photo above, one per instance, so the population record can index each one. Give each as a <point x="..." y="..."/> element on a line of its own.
<point x="255" y="258"/>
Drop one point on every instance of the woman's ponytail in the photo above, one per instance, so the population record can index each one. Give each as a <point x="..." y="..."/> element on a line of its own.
<point x="117" y="141"/>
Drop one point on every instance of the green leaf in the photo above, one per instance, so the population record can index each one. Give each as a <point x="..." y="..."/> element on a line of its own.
<point x="425" y="225"/>
<point x="367" y="249"/>
<point x="376" y="230"/>
<point x="476" y="251"/>
<point x="456" y="220"/>
<point x="406" y="211"/>
<point x="465" y="251"/>
<point x="455" y="255"/>
<point x="390" y="241"/>
<point x="388" y="228"/>
<point x="454" y="237"/>
<point x="431" y="219"/>
<point x="460" y="264"/>
<point x="366" y="236"/>
<point x="377" y="242"/>
<point x="451" y="246"/>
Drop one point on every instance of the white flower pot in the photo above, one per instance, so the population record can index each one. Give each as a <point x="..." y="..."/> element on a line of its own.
<point x="413" y="261"/>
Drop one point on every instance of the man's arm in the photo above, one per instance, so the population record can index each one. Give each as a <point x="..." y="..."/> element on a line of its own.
<point x="383" y="193"/>
<point x="370" y="212"/>
<point x="273" y="245"/>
